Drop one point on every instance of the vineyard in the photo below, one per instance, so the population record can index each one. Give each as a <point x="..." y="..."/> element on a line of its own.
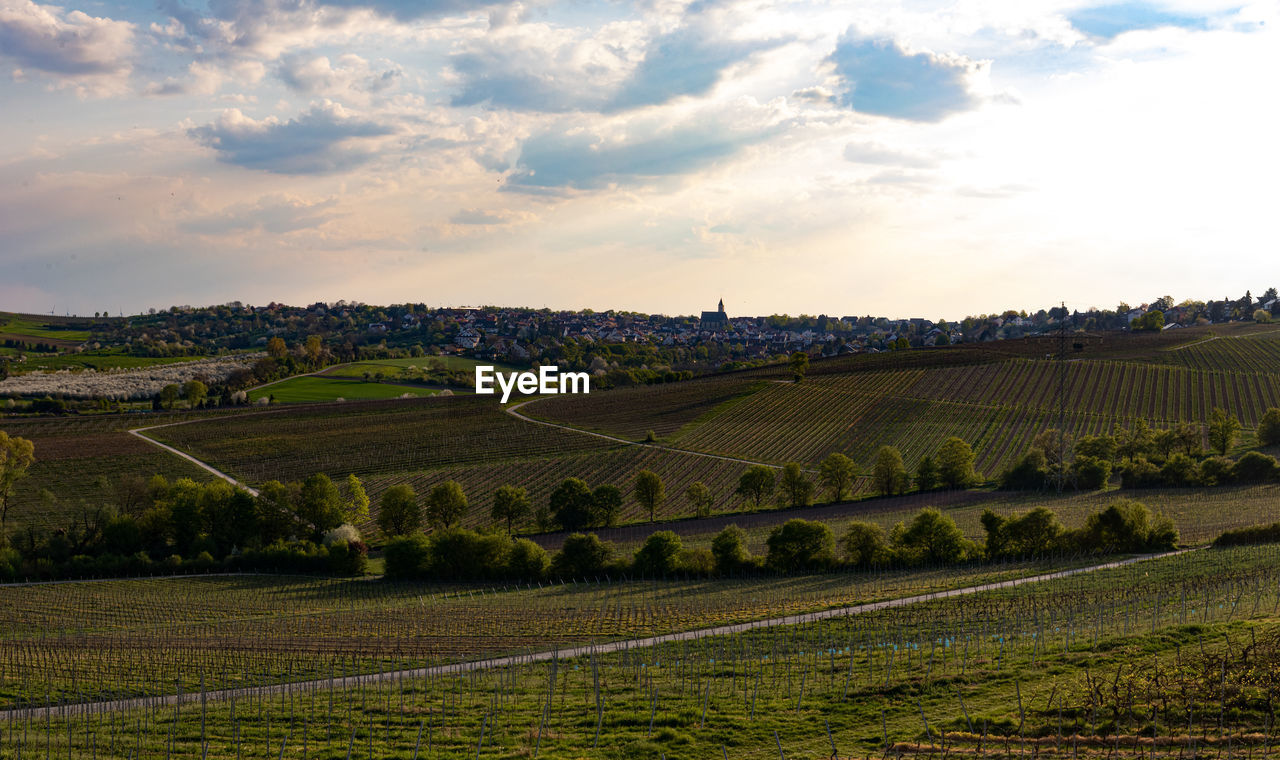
<point x="99" y="640"/>
<point x="76" y="455"/>
<point x="1251" y="352"/>
<point x="1159" y="658"/>
<point x="997" y="407"/>
<point x="370" y="438"/>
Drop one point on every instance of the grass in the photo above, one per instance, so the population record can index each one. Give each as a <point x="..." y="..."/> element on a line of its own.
<point x="322" y="388"/>
<point x="41" y="329"/>
<point x="96" y="360"/>
<point x="391" y="366"/>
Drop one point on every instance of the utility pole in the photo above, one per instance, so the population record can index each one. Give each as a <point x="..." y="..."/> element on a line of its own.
<point x="1062" y="397"/>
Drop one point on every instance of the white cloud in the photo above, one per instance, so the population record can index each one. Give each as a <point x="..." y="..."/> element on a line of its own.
<point x="92" y="55"/>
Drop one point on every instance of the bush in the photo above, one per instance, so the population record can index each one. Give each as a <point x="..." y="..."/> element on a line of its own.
<point x="1092" y="473"/>
<point x="407" y="556"/>
<point x="347" y="558"/>
<point x="657" y="557"/>
<point x="700" y="562"/>
<point x="1269" y="427"/>
<point x="1029" y="474"/>
<point x="462" y="554"/>
<point x="1215" y="471"/>
<point x="1179" y="471"/>
<point x="1034" y="534"/>
<point x="1127" y="526"/>
<point x="729" y="548"/>
<point x="527" y="560"/>
<point x="801" y="545"/>
<point x="931" y="537"/>
<point x="1255" y="467"/>
<point x="1254" y="534"/>
<point x="582" y="556"/>
<point x="1140" y="473"/>
<point x="865" y="545"/>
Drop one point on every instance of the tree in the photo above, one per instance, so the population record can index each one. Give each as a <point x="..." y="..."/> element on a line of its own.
<point x="510" y="504"/>
<point x="700" y="498"/>
<point x="865" y="545"/>
<point x="799" y="364"/>
<point x="801" y="545"/>
<point x="649" y="491"/>
<point x="837" y="474"/>
<point x="756" y="484"/>
<point x="398" y="512"/>
<point x="446" y="503"/>
<point x="795" y="486"/>
<point x="276" y="348"/>
<point x="657" y="557"/>
<point x="955" y="463"/>
<point x="1136" y="441"/>
<point x="582" y="556"/>
<point x="1262" y="316"/>
<point x="195" y="391"/>
<point x="314" y="347"/>
<point x="931" y="537"/>
<point x="356" y="507"/>
<point x="319" y="503"/>
<point x="606" y="505"/>
<point x="16" y="457"/>
<point x="889" y="473"/>
<point x="571" y="504"/>
<point x="169" y="394"/>
<point x="926" y="474"/>
<point x="1269" y="427"/>
<point x="1223" y="429"/>
<point x="729" y="547"/>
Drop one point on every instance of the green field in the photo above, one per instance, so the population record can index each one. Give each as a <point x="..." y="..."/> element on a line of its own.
<point x="390" y="367"/>
<point x="323" y="388"/>
<point x="55" y="329"/>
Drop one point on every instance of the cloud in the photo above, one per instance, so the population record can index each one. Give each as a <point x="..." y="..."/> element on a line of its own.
<point x="352" y="77"/>
<point x="554" y="160"/>
<point x="881" y="78"/>
<point x="882" y="155"/>
<point x="326" y="138"/>
<point x="273" y="214"/>
<point x="475" y="216"/>
<point x="1110" y="21"/>
<point x="92" y="54"/>
<point x="409" y="10"/>
<point x="537" y="68"/>
<point x="687" y="61"/>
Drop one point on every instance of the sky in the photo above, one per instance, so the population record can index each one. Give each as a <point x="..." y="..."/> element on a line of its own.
<point x="937" y="158"/>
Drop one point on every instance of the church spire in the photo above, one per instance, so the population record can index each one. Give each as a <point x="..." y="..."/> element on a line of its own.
<point x="721" y="309"/>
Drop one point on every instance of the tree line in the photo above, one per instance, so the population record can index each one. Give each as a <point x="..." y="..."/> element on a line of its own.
<point x="797" y="546"/>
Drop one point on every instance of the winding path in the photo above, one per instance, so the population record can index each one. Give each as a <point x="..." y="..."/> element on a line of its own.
<point x="91" y="708"/>
<point x="139" y="432"/>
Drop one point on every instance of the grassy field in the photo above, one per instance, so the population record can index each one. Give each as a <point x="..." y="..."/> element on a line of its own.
<point x="322" y="388"/>
<point x="35" y="328"/>
<point x="391" y="367"/>
<point x="1175" y="655"/>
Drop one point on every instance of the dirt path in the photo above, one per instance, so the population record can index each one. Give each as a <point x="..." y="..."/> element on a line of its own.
<point x="140" y="432"/>
<point x="90" y="708"/>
